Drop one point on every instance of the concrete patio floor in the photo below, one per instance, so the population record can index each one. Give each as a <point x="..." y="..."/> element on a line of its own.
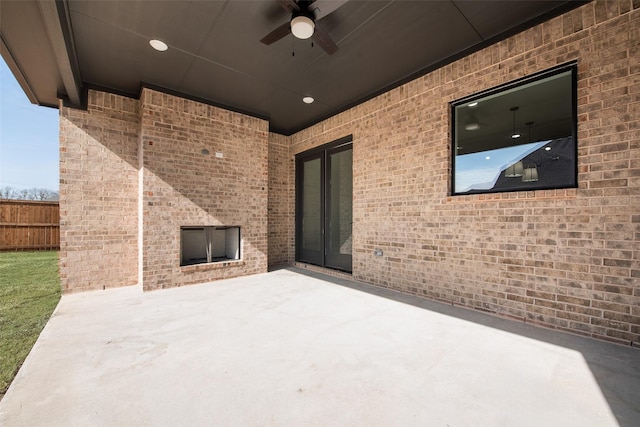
<point x="292" y="348"/>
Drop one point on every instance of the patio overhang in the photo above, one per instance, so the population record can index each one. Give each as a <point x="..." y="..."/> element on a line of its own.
<point x="58" y="49"/>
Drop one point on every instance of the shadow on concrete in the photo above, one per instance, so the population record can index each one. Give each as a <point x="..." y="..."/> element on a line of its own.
<point x="615" y="368"/>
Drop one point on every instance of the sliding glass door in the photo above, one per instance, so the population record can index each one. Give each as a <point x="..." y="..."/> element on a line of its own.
<point x="310" y="211"/>
<point x="324" y="206"/>
<point x="339" y="206"/>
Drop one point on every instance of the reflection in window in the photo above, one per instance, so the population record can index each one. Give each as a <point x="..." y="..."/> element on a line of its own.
<point x="517" y="137"/>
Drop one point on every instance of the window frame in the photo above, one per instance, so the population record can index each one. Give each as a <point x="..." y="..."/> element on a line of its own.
<point x="510" y="87"/>
<point x="322" y="257"/>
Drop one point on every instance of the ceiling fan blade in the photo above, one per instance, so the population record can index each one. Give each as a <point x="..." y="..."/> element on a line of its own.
<point x="322" y="8"/>
<point x="324" y="40"/>
<point x="289" y="5"/>
<point x="275" y="35"/>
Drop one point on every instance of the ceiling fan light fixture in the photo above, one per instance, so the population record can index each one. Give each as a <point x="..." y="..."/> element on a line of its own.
<point x="302" y="27"/>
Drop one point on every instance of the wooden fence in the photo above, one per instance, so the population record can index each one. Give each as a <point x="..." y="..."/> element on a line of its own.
<point x="29" y="225"/>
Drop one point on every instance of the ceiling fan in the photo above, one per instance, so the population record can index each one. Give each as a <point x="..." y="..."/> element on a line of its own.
<point x="304" y="22"/>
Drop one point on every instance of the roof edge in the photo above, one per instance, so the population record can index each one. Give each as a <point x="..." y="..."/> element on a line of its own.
<point x="17" y="71"/>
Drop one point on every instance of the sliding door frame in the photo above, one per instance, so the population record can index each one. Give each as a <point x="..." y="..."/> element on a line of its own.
<point x="323" y="152"/>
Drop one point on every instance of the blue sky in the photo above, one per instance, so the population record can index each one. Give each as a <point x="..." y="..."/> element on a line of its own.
<point x="29" y="154"/>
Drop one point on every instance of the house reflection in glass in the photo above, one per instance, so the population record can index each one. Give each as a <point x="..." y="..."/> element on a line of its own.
<point x="480" y="171"/>
<point x="547" y="164"/>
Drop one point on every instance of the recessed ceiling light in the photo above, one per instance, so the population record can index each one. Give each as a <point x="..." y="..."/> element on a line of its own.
<point x="473" y="104"/>
<point x="488" y="158"/>
<point x="547" y="148"/>
<point x="307" y="100"/>
<point x="472" y="126"/>
<point x="515" y="135"/>
<point x="158" y="45"/>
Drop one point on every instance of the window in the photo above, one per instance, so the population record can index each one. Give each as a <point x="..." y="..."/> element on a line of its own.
<point x="521" y="136"/>
<point x="199" y="245"/>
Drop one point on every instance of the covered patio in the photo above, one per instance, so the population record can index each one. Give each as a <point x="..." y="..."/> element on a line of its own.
<point x="292" y="347"/>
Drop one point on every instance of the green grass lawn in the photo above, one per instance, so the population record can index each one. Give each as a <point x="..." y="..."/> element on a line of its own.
<point x="29" y="292"/>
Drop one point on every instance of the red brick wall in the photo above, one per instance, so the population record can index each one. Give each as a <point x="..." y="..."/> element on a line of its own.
<point x="99" y="193"/>
<point x="281" y="199"/>
<point x="183" y="187"/>
<point x="568" y="259"/>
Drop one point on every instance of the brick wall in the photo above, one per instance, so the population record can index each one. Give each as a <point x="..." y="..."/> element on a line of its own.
<point x="99" y="193"/>
<point x="101" y="152"/>
<point x="184" y="187"/>
<point x="568" y="259"/>
<point x="281" y="198"/>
